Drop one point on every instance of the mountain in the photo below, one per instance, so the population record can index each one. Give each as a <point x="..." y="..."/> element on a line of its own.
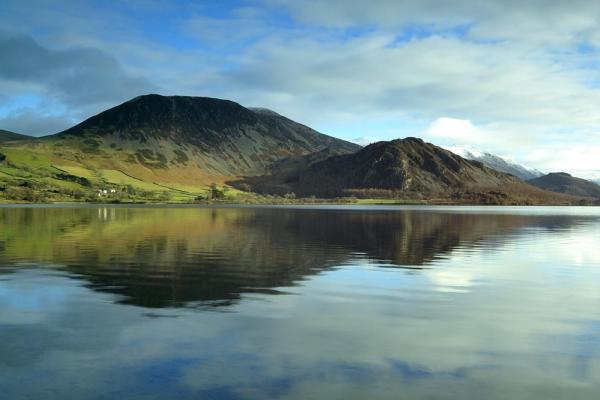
<point x="7" y="136"/>
<point x="264" y="111"/>
<point x="157" y="147"/>
<point x="409" y="165"/>
<point x="498" y="163"/>
<point x="562" y="182"/>
<point x="405" y="168"/>
<point x="217" y="136"/>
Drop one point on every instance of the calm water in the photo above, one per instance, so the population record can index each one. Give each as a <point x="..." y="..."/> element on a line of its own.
<point x="299" y="303"/>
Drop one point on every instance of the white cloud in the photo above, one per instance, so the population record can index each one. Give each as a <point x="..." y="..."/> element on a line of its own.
<point x="31" y="121"/>
<point x="364" y="140"/>
<point x="460" y="130"/>
<point x="579" y="160"/>
<point x="220" y="32"/>
<point x="525" y="20"/>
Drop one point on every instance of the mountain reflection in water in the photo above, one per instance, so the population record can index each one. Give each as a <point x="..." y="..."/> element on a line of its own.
<point x="170" y="257"/>
<point x="328" y="302"/>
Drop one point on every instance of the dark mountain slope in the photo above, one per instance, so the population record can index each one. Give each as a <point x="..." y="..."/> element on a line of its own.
<point x="218" y="135"/>
<point x="408" y="165"/>
<point x="403" y="169"/>
<point x="283" y="175"/>
<point x="562" y="182"/>
<point x="7" y="136"/>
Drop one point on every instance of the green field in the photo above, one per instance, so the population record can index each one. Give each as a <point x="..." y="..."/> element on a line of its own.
<point x="51" y="173"/>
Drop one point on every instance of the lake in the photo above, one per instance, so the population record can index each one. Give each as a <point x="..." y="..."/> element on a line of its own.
<point x="331" y="302"/>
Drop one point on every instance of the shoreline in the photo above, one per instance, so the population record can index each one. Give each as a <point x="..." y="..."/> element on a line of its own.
<point x="319" y="202"/>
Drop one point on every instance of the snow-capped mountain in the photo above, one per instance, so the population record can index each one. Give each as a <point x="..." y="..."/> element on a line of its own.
<point x="496" y="162"/>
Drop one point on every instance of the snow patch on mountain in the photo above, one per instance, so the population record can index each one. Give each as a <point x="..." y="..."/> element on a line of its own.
<point x="502" y="164"/>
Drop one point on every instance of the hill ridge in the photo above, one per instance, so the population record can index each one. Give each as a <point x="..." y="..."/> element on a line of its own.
<point x="7" y="136"/>
<point x="563" y="182"/>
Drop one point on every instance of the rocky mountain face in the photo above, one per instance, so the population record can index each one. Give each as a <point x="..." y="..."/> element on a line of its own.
<point x="562" y="182"/>
<point x="498" y="163"/>
<point x="7" y="136"/>
<point x="215" y="135"/>
<point x="408" y="165"/>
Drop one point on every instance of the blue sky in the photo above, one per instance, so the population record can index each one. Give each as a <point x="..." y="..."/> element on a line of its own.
<point x="518" y="78"/>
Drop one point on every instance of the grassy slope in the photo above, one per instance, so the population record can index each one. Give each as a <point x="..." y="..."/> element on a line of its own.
<point x="61" y="171"/>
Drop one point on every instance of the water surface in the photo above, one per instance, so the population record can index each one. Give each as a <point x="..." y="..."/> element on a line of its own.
<point x="299" y="303"/>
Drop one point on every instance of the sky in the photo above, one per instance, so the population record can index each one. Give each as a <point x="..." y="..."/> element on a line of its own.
<point x="520" y="79"/>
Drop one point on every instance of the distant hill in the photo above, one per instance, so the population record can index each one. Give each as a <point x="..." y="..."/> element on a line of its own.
<point x="409" y="165"/>
<point x="498" y="163"/>
<point x="404" y="168"/>
<point x="7" y="136"/>
<point x="562" y="182"/>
